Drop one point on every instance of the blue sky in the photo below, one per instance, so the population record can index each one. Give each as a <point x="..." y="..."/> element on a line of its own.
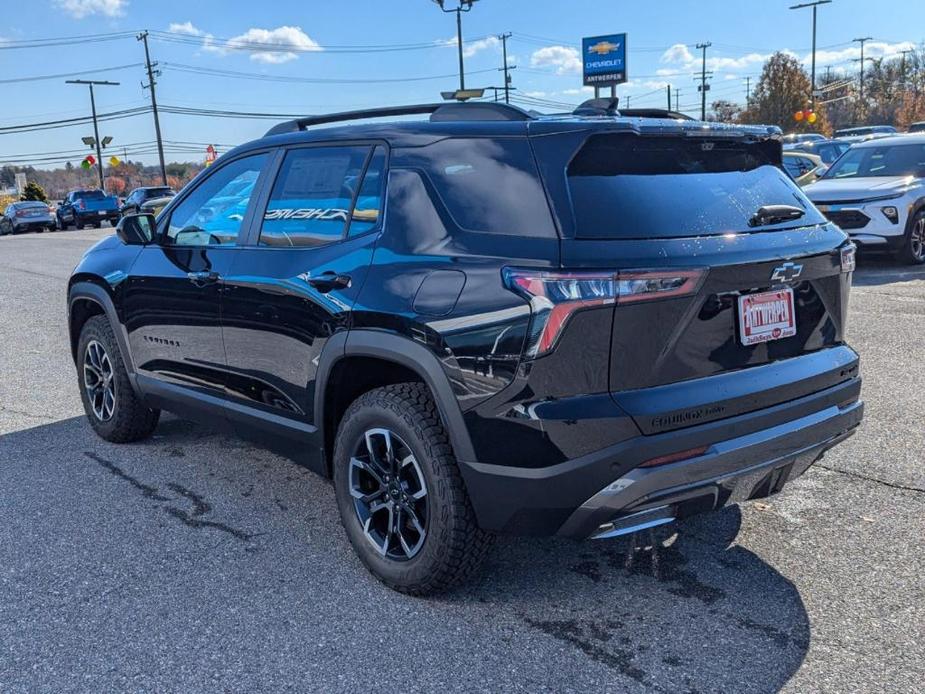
<point x="218" y="35"/>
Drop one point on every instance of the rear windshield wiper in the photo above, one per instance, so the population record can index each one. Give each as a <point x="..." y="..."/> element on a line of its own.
<point x="775" y="214"/>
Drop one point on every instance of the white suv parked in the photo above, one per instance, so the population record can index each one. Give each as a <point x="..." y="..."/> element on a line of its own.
<point x="876" y="193"/>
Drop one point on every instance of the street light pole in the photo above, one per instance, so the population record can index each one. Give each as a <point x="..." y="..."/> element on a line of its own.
<point x="96" y="130"/>
<point x="464" y="6"/>
<point x="812" y="78"/>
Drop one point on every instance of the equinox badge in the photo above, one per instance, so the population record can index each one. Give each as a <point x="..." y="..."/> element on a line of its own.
<point x="787" y="272"/>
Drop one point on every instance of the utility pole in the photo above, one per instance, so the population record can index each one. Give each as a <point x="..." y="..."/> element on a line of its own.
<point x="828" y="74"/>
<point x="748" y="91"/>
<point x="668" y="91"/>
<point x="96" y="129"/>
<point x="677" y="99"/>
<point x="902" y="66"/>
<point x="506" y="68"/>
<point x="464" y="6"/>
<point x="812" y="78"/>
<point x="627" y="101"/>
<point x="143" y="36"/>
<point x="862" y="41"/>
<point x="703" y="79"/>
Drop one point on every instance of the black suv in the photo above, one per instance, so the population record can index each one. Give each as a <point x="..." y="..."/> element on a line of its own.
<point x="486" y="321"/>
<point x="140" y="196"/>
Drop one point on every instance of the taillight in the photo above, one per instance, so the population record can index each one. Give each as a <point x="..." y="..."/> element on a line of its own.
<point x="20" y="213"/>
<point x="554" y="296"/>
<point x="849" y="258"/>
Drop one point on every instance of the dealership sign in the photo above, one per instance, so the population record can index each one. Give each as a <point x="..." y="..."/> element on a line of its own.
<point x="603" y="60"/>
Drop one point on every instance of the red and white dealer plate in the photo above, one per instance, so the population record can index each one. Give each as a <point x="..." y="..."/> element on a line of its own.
<point x="766" y="316"/>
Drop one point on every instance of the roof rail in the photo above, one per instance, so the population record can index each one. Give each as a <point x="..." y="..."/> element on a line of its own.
<point x="477" y="111"/>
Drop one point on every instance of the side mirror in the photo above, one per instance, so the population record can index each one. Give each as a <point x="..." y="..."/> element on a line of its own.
<point x="136" y="229"/>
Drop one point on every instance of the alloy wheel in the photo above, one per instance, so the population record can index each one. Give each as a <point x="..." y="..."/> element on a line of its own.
<point x="389" y="494"/>
<point x="917" y="239"/>
<point x="98" y="381"/>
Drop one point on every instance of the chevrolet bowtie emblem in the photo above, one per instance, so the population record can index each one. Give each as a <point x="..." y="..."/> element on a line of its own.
<point x="603" y="47"/>
<point x="786" y="272"/>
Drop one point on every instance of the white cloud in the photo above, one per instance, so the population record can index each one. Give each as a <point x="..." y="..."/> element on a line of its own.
<point x="272" y="46"/>
<point x="470" y="48"/>
<point x="575" y="92"/>
<point x="740" y="63"/>
<point x="536" y="95"/>
<point x="564" y="59"/>
<point x="872" y="49"/>
<point x="185" y="28"/>
<point x="84" y="8"/>
<point x="678" y="53"/>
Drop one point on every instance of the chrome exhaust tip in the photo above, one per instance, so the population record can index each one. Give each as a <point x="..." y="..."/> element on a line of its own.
<point x="635" y="522"/>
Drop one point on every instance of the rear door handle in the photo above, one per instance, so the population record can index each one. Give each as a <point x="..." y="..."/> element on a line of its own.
<point x="203" y="277"/>
<point x="328" y="281"/>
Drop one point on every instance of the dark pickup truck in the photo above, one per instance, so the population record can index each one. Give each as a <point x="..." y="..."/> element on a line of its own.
<point x="83" y="207"/>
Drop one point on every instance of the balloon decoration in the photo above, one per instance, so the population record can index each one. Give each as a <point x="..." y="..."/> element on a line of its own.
<point x="811" y="118"/>
<point x="798" y="116"/>
<point x="114" y="161"/>
<point x="808" y="115"/>
<point x="85" y="164"/>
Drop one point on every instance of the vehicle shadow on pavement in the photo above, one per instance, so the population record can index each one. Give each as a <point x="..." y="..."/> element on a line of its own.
<point x="211" y="529"/>
<point x="680" y="608"/>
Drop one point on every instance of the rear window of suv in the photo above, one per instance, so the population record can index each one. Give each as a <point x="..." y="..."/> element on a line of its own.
<point x="629" y="186"/>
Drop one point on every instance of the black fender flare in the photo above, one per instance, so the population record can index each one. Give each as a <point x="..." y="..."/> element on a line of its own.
<point x="88" y="290"/>
<point x="407" y="353"/>
<point x="914" y="209"/>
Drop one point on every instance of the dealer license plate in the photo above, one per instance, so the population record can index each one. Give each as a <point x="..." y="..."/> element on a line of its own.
<point x="766" y="316"/>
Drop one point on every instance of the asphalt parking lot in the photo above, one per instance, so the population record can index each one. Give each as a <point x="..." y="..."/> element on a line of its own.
<point x="193" y="562"/>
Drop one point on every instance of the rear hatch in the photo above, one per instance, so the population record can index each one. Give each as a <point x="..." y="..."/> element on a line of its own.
<point x="731" y="295"/>
<point x="97" y="201"/>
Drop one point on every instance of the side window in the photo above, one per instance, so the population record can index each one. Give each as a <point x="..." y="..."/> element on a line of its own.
<point x="369" y="200"/>
<point x="487" y="184"/>
<point x="312" y="196"/>
<point x="212" y="214"/>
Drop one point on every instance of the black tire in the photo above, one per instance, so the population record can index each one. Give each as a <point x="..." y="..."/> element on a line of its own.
<point x="453" y="545"/>
<point x="130" y="419"/>
<point x="913" y="248"/>
<point x="97" y="225"/>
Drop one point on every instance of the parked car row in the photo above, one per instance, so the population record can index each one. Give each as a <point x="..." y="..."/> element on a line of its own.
<point x="81" y="208"/>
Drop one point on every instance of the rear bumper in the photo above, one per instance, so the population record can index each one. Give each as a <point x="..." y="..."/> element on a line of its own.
<point x="606" y="493"/>
<point x="89" y="217"/>
<point x="33" y="225"/>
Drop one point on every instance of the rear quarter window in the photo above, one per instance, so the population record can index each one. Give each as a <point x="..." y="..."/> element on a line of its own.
<point x="487" y="185"/>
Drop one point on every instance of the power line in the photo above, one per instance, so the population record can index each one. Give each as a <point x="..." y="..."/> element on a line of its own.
<point x="8" y="45"/>
<point x="239" y="44"/>
<point x="235" y="74"/>
<point x="69" y="122"/>
<point x="62" y="75"/>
